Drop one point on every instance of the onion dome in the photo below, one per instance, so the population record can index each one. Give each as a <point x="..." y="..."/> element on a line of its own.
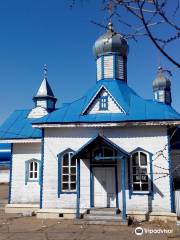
<point x="110" y="42"/>
<point x="161" y="82"/>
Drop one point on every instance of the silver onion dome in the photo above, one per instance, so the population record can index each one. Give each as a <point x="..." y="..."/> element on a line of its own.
<point x="110" y="42"/>
<point x="161" y="82"/>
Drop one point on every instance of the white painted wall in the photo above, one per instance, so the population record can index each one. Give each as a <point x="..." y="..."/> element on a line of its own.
<point x="152" y="139"/>
<point x="4" y="176"/>
<point x="21" y="193"/>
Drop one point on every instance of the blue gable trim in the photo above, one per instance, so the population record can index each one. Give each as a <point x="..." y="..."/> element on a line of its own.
<point x="104" y="140"/>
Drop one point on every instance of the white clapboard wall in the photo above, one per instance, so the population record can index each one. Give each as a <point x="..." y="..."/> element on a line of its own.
<point x="177" y="202"/>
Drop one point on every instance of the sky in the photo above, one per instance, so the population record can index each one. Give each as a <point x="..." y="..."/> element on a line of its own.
<point x="38" y="32"/>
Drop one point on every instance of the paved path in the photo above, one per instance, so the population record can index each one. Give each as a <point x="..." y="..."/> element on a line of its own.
<point x="14" y="227"/>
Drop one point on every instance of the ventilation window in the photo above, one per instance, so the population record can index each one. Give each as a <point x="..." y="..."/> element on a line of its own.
<point x="103" y="103"/>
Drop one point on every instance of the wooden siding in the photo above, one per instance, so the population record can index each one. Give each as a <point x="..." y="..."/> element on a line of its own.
<point x="21" y="193"/>
<point x="152" y="139"/>
<point x="99" y="68"/>
<point x="108" y="66"/>
<point x="120" y="67"/>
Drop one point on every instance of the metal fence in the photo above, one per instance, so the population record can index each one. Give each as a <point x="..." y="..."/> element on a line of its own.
<point x="177" y="202"/>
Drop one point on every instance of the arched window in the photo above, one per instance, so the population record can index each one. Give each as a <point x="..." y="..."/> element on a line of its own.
<point x="68" y="173"/>
<point x="140" y="172"/>
<point x="32" y="170"/>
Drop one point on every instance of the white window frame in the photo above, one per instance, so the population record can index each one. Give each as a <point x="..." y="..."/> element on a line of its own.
<point x="140" y="166"/>
<point x="30" y="173"/>
<point x="33" y="171"/>
<point x="69" y="174"/>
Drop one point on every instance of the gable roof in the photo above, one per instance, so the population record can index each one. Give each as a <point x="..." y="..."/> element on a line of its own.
<point x="18" y="126"/>
<point x="101" y="89"/>
<point x="92" y="143"/>
<point x="135" y="107"/>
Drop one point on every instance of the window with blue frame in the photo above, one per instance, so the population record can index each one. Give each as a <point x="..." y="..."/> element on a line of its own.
<point x="32" y="170"/>
<point x="140" y="172"/>
<point x="103" y="103"/>
<point x="68" y="173"/>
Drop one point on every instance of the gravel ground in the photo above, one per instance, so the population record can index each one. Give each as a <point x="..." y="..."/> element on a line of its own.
<point x="16" y="227"/>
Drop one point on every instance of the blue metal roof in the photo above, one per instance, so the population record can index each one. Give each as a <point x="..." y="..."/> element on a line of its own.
<point x="18" y="126"/>
<point x="136" y="108"/>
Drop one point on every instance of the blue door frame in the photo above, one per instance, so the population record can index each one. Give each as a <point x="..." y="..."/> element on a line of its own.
<point x="123" y="186"/>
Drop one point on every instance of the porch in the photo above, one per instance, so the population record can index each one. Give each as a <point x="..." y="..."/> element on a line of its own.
<point x="107" y="168"/>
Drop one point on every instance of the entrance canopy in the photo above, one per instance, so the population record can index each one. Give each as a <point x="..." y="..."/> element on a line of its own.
<point x="99" y="141"/>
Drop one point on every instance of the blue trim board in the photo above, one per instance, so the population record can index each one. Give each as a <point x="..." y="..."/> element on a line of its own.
<point x="129" y="178"/>
<point x="116" y="184"/>
<point x="59" y="175"/>
<point x="78" y="190"/>
<point x="91" y="182"/>
<point x="10" y="175"/>
<point x="42" y="169"/>
<point x="170" y="178"/>
<point x="123" y="185"/>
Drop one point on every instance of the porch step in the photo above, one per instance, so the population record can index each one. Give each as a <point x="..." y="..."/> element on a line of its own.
<point x="103" y="211"/>
<point x="102" y="217"/>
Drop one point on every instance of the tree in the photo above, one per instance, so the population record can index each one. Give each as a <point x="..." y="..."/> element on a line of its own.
<point x="158" y="21"/>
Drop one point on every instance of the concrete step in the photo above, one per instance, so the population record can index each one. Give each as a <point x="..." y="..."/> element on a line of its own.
<point x="102" y="217"/>
<point x="104" y="212"/>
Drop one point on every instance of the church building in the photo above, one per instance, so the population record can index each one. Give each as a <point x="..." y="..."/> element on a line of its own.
<point x="108" y="151"/>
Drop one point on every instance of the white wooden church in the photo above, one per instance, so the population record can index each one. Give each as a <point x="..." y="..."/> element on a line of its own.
<point x="110" y="150"/>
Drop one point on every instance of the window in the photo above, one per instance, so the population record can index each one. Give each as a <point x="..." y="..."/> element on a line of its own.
<point x="32" y="171"/>
<point x="140" y="176"/>
<point x="68" y="176"/>
<point x="103" y="103"/>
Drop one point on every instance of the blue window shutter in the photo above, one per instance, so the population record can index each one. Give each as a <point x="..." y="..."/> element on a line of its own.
<point x="26" y="171"/>
<point x="59" y="175"/>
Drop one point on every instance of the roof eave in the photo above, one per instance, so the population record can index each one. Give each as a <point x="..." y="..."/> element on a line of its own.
<point x="109" y="124"/>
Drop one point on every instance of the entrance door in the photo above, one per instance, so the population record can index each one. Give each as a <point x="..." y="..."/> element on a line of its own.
<point x="104" y="187"/>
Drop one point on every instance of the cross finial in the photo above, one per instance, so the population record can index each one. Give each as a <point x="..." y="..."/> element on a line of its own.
<point x="45" y="70"/>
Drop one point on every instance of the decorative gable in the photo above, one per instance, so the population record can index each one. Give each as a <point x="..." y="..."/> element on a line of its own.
<point x="103" y="102"/>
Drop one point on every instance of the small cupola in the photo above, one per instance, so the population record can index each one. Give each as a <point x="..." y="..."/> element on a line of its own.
<point x="111" y="50"/>
<point x="162" y="87"/>
<point x="45" y="97"/>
